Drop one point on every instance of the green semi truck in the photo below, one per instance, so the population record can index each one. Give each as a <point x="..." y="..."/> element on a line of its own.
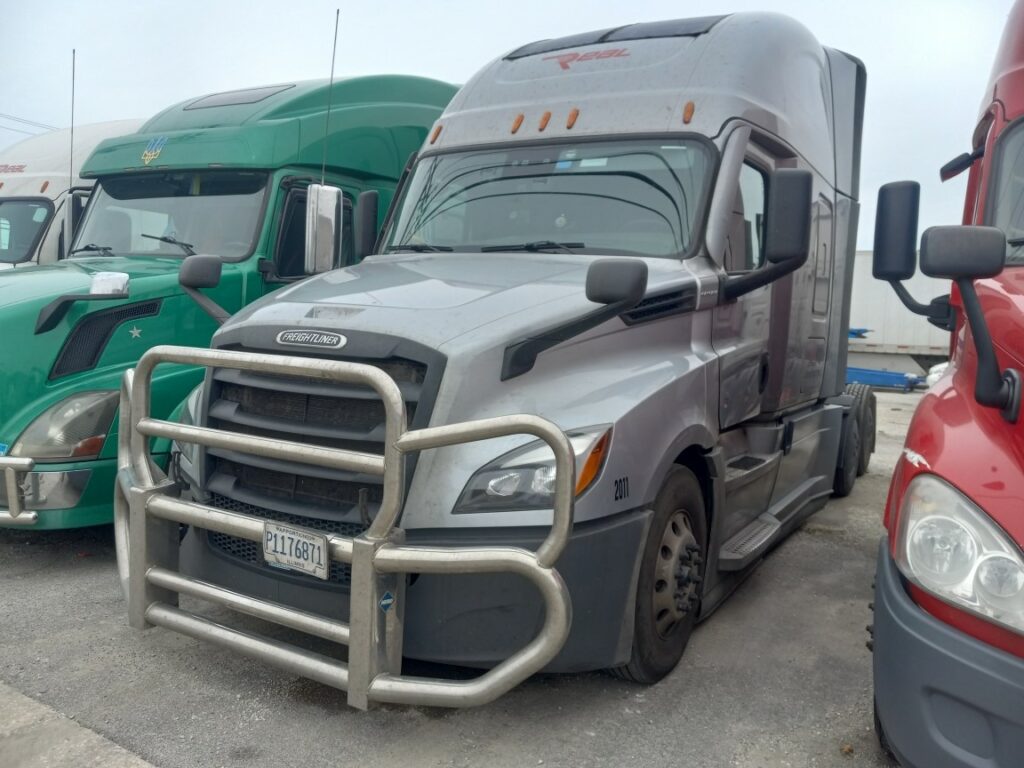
<point x="225" y="175"/>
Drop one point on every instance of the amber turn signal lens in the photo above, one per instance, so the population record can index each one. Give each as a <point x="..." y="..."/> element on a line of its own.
<point x="592" y="466"/>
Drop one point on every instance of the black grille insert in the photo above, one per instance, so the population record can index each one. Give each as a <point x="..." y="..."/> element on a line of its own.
<point x="85" y="344"/>
<point x="252" y="553"/>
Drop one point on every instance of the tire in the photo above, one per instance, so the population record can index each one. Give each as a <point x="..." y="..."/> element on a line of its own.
<point x="846" y="472"/>
<point x="865" y="406"/>
<point x="670" y="581"/>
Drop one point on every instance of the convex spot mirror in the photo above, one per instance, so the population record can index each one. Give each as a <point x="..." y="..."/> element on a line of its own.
<point x="961" y="252"/>
<point x="788" y="216"/>
<point x="617" y="281"/>
<point x="323" y="228"/>
<point x="895" y="253"/>
<point x="200" y="270"/>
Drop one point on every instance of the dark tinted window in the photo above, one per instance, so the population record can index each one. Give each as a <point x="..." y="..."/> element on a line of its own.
<point x="1006" y="208"/>
<point x="231" y="98"/>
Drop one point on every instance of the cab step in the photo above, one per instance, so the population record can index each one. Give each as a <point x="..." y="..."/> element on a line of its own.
<point x="749" y="544"/>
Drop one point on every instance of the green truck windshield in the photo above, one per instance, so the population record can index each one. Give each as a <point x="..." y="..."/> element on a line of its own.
<point x="215" y="212"/>
<point x="21" y="224"/>
<point x="637" y="198"/>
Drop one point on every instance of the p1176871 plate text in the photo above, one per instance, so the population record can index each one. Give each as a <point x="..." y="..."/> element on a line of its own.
<point x="296" y="549"/>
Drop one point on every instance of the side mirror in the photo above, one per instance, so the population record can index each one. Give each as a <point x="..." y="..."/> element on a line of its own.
<point x="200" y="271"/>
<point x="895" y="253"/>
<point x="963" y="253"/>
<point x="367" y="205"/>
<point x="323" y="228"/>
<point x="787" y="219"/>
<point x="617" y="281"/>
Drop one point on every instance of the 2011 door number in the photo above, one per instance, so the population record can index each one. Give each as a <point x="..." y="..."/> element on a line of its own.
<point x="622" y="488"/>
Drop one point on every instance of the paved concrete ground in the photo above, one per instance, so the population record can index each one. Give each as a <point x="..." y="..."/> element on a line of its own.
<point x="779" y="676"/>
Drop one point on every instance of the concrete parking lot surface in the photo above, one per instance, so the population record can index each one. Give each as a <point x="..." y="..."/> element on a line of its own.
<point x="779" y="676"/>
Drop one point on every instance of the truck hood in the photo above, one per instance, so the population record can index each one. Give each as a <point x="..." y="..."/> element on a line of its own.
<point x="28" y="357"/>
<point x="435" y="299"/>
<point x="40" y="284"/>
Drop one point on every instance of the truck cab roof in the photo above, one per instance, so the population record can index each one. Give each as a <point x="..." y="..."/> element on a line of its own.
<point x="763" y="68"/>
<point x="279" y="125"/>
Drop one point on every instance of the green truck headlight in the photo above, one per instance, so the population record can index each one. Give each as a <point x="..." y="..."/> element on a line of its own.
<point x="76" y="427"/>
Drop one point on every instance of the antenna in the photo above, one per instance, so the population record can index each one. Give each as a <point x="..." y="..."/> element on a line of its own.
<point x="330" y="91"/>
<point x="71" y="153"/>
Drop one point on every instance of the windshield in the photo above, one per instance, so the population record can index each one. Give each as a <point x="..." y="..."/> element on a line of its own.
<point x="22" y="223"/>
<point x="215" y="212"/>
<point x="638" y="197"/>
<point x="1006" y="206"/>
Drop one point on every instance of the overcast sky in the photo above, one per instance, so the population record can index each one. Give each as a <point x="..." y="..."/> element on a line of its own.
<point x="928" y="60"/>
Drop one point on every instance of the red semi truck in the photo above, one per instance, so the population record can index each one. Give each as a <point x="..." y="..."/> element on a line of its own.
<point x="949" y="593"/>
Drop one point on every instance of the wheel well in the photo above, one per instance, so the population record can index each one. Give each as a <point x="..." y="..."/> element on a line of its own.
<point x="697" y="461"/>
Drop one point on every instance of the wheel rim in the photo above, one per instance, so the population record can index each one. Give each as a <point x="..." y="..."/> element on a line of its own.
<point x="676" y="574"/>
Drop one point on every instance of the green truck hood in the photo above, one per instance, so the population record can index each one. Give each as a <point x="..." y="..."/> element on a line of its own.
<point x="29" y="380"/>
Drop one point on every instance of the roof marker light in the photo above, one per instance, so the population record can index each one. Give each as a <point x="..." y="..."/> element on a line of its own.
<point x="573" y="114"/>
<point x="45" y="185"/>
<point x="688" y="112"/>
<point x="544" y="121"/>
<point x="517" y="122"/>
<point x="436" y="133"/>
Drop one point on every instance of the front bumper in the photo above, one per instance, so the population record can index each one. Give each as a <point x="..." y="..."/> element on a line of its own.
<point x="476" y="620"/>
<point x="944" y="699"/>
<point x="56" y="496"/>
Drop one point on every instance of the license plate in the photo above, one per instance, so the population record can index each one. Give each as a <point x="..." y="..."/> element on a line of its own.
<point x="295" y="549"/>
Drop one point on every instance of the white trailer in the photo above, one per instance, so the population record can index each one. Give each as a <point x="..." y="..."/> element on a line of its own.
<point x="37" y="177"/>
<point x="892" y="343"/>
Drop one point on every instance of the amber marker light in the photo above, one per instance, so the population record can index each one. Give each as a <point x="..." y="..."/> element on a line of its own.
<point x="544" y="119"/>
<point x="517" y="122"/>
<point x="45" y="185"/>
<point x="688" y="112"/>
<point x="573" y="114"/>
<point x="436" y="133"/>
<point x="592" y="466"/>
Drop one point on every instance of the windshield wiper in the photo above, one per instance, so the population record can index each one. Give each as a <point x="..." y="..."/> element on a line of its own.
<point x="186" y="247"/>
<point x="537" y="245"/>
<point x="92" y="247"/>
<point x="418" y="248"/>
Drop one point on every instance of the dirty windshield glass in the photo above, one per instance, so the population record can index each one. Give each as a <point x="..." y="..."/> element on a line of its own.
<point x="21" y="224"/>
<point x="214" y="212"/>
<point x="623" y="197"/>
<point x="1006" y="209"/>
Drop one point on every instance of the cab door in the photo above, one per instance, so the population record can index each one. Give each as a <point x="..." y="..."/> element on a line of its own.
<point x="740" y="328"/>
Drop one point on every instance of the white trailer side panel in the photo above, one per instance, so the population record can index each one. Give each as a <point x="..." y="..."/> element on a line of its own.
<point x="894" y="329"/>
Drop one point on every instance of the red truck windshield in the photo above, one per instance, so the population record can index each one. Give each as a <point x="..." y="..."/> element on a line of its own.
<point x="1006" y="205"/>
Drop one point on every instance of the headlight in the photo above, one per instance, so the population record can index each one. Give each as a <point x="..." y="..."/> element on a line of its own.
<point x="948" y="546"/>
<point x="189" y="416"/>
<point x="76" y="427"/>
<point x="525" y="478"/>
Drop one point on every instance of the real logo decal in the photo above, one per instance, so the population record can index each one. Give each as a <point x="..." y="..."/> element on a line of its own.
<point x="153" y="149"/>
<point x="302" y="338"/>
<point x="566" y="60"/>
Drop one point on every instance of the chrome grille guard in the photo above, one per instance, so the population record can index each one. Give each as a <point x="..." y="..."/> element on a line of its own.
<point x="147" y="516"/>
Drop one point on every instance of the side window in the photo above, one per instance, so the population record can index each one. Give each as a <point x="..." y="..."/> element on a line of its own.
<point x="291" y="241"/>
<point x="745" y="248"/>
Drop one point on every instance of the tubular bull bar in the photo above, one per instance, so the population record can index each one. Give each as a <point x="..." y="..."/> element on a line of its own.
<point x="147" y="516"/>
<point x="13" y="470"/>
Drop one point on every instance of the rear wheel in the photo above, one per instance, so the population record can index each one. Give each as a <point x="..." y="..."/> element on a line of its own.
<point x="865" y="406"/>
<point x="669" y="585"/>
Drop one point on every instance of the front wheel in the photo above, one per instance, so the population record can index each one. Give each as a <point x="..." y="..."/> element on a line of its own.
<point x="669" y="586"/>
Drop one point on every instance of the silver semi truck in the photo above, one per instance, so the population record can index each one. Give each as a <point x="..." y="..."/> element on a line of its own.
<point x="592" y="372"/>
